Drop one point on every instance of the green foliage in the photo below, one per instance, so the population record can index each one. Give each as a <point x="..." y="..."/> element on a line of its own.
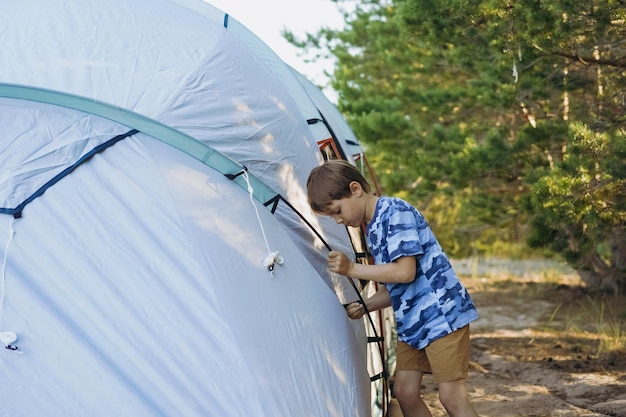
<point x="500" y="120"/>
<point x="579" y="207"/>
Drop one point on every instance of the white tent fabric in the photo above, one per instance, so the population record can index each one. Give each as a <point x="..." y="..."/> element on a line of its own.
<point x="173" y="61"/>
<point x="135" y="286"/>
<point x="299" y="89"/>
<point x="329" y="112"/>
<point x="135" y="283"/>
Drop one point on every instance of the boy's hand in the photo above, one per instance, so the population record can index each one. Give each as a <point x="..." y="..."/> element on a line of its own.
<point x="355" y="310"/>
<point x="338" y="262"/>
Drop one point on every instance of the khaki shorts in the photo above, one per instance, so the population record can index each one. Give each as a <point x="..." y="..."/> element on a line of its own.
<point x="447" y="358"/>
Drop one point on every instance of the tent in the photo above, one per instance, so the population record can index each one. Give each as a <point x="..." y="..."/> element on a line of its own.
<point x="156" y="260"/>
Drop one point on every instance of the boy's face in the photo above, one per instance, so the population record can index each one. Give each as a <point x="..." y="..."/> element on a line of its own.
<point x="349" y="211"/>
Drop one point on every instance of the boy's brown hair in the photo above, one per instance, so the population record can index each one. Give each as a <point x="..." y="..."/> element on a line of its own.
<point x="331" y="181"/>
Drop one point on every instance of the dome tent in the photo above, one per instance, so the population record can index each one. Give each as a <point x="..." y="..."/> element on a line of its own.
<point x="134" y="283"/>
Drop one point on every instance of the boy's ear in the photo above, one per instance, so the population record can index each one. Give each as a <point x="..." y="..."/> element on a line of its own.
<point x="355" y="187"/>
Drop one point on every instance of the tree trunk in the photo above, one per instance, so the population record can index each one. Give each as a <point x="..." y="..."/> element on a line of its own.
<point x="618" y="250"/>
<point x="599" y="275"/>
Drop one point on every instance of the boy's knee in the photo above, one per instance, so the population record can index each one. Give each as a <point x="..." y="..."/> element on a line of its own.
<point x="453" y="396"/>
<point x="404" y="392"/>
<point x="405" y="389"/>
<point x="450" y="401"/>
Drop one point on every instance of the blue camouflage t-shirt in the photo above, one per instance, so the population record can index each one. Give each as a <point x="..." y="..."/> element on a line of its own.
<point x="436" y="303"/>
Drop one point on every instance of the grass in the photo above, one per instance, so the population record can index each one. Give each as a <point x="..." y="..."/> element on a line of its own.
<point x="578" y="312"/>
<point x="598" y="315"/>
<point x="604" y="315"/>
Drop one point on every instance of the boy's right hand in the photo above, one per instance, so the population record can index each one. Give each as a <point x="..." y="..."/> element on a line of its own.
<point x="340" y="263"/>
<point x="355" y="310"/>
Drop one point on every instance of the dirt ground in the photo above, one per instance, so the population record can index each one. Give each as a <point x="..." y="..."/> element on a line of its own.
<point x="536" y="350"/>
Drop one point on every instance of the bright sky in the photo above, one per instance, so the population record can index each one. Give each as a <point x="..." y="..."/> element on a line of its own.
<point x="267" y="18"/>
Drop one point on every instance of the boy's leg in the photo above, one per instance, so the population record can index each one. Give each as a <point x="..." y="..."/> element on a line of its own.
<point x="453" y="396"/>
<point x="411" y="364"/>
<point x="407" y="389"/>
<point x="449" y="360"/>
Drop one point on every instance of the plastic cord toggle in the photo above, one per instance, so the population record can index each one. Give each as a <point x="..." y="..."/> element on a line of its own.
<point x="271" y="259"/>
<point x="7" y="338"/>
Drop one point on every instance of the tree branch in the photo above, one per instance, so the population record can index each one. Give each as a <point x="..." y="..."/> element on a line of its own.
<point x="620" y="63"/>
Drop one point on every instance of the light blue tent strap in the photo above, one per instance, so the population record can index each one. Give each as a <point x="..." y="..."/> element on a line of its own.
<point x="157" y="130"/>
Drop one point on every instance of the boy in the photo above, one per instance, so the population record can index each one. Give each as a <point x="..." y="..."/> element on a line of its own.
<point x="431" y="306"/>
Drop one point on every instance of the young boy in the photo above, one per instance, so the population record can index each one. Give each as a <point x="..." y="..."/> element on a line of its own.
<point x="431" y="306"/>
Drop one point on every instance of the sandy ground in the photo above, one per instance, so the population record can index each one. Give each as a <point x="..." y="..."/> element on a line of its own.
<point x="534" y="348"/>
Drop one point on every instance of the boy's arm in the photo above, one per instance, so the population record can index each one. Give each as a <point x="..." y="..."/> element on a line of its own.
<point x="402" y="270"/>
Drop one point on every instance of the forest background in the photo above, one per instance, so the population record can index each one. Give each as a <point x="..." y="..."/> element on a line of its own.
<point x="502" y="121"/>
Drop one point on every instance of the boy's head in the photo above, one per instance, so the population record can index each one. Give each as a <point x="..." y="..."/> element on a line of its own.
<point x="331" y="181"/>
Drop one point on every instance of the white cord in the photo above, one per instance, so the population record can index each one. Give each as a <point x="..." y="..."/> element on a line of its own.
<point x="251" y="194"/>
<point x="272" y="257"/>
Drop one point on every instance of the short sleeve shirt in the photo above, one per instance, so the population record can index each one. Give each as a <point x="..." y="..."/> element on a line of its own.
<point x="434" y="304"/>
